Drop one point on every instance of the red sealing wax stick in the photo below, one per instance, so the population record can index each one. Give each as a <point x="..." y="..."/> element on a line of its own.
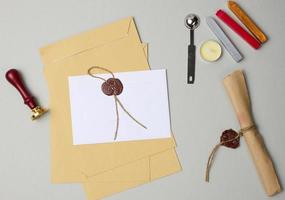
<point x="15" y="79"/>
<point x="238" y="29"/>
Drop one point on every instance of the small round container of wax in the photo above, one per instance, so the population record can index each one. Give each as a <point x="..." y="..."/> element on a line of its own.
<point x="210" y="50"/>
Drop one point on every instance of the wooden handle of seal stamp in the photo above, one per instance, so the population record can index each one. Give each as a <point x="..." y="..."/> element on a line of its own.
<point x="14" y="77"/>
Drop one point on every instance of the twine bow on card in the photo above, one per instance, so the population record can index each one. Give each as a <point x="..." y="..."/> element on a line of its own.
<point x="113" y="87"/>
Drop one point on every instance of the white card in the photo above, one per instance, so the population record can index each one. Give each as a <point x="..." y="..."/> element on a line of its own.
<point x="93" y="114"/>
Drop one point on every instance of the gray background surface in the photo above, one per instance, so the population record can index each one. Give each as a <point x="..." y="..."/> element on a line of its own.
<point x="199" y="112"/>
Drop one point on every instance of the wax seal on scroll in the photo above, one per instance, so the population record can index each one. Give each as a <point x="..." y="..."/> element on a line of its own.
<point x="112" y="86"/>
<point x="230" y="138"/>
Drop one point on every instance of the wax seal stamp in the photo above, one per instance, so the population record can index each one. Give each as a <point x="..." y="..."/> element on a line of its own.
<point x="230" y="138"/>
<point x="112" y="86"/>
<point x="14" y="77"/>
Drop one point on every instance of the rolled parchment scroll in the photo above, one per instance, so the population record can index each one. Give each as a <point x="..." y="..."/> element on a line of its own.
<point x="236" y="88"/>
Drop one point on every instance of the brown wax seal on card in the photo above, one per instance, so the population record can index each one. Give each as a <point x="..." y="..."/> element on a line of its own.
<point x="112" y="86"/>
<point x="230" y="138"/>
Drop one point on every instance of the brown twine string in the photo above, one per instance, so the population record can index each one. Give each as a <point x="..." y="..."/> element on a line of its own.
<point x="116" y="99"/>
<point x="212" y="154"/>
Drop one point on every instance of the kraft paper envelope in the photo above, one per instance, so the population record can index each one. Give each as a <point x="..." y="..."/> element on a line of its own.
<point x="122" y="52"/>
<point x="77" y="164"/>
<point x="160" y="165"/>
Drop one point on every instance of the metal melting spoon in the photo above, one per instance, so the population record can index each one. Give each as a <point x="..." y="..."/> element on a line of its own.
<point x="192" y="21"/>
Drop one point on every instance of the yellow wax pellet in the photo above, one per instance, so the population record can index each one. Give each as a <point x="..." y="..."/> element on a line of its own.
<point x="210" y="50"/>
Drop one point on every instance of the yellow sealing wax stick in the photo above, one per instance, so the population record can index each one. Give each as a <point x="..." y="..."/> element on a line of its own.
<point x="247" y="21"/>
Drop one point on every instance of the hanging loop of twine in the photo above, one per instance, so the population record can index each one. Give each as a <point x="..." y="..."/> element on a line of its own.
<point x="215" y="149"/>
<point x="116" y="99"/>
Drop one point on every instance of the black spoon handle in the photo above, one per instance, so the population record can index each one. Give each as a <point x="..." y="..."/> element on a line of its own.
<point x="191" y="64"/>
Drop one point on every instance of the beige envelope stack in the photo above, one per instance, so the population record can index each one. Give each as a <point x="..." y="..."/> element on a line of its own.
<point x="103" y="169"/>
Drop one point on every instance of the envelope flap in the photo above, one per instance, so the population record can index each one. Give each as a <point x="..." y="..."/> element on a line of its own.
<point x="94" y="38"/>
<point x="134" y="171"/>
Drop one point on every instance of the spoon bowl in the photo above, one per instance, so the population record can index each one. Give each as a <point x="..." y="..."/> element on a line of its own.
<point x="192" y="21"/>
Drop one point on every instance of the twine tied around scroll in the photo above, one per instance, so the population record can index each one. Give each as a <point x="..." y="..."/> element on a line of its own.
<point x="113" y="87"/>
<point x="229" y="138"/>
